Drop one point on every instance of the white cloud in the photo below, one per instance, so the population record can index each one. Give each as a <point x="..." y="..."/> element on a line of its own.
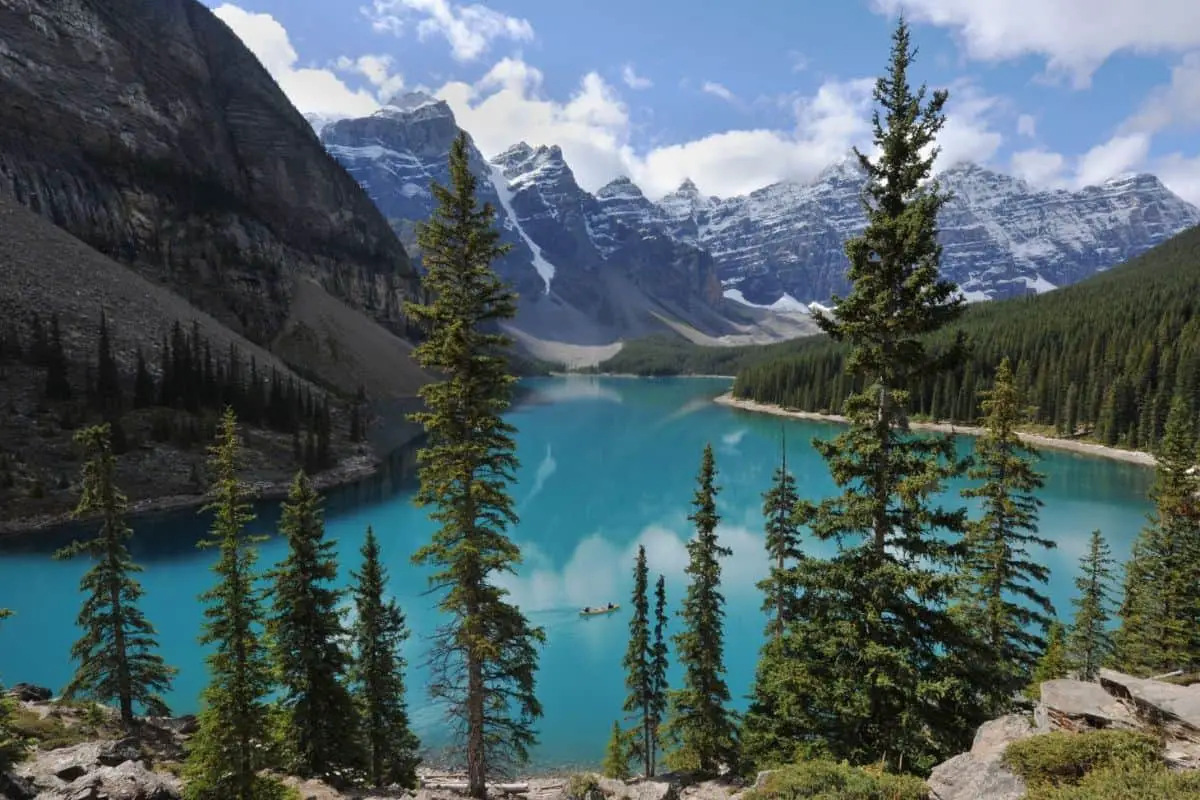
<point x="1026" y="126"/>
<point x="469" y="29"/>
<point x="1039" y="167"/>
<point x="309" y="89"/>
<point x="1075" y="36"/>
<point x="717" y="90"/>
<point x="377" y="70"/>
<point x="1174" y="105"/>
<point x="633" y="80"/>
<point x="508" y="104"/>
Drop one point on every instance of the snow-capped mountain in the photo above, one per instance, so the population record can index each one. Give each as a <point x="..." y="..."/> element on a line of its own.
<point x="593" y="268"/>
<point x="1001" y="237"/>
<point x="583" y="275"/>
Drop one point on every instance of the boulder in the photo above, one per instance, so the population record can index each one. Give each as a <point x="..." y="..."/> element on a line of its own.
<point x="96" y="771"/>
<point x="30" y="693"/>
<point x="15" y="787"/>
<point x="980" y="773"/>
<point x="1156" y="702"/>
<point x="1077" y="706"/>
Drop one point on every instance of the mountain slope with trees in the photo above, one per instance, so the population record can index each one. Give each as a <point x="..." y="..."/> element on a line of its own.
<point x="1100" y="359"/>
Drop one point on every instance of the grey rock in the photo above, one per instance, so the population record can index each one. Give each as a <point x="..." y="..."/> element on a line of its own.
<point x="112" y="754"/>
<point x="16" y="787"/>
<point x="1157" y="702"/>
<point x="1076" y="705"/>
<point x="979" y="773"/>
<point x="30" y="693"/>
<point x="80" y="771"/>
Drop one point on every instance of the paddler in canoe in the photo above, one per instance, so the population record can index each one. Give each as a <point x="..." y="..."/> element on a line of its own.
<point x="589" y="611"/>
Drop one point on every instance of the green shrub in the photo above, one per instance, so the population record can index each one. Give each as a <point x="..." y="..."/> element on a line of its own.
<point x="1130" y="781"/>
<point x="1059" y="758"/>
<point x="829" y="780"/>
<point x="583" y="786"/>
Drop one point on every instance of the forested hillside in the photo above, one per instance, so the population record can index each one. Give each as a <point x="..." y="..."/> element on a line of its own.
<point x="1101" y="358"/>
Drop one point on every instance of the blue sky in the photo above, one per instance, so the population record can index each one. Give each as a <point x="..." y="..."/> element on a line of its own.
<point x="737" y="95"/>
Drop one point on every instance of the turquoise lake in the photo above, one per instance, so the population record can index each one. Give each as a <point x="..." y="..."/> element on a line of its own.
<point x="607" y="463"/>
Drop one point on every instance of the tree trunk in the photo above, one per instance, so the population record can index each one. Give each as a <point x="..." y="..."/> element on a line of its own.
<point x="476" y="758"/>
<point x="124" y="682"/>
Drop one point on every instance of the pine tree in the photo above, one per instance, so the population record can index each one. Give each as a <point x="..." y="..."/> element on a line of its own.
<point x="1003" y="602"/>
<point x="13" y="746"/>
<point x="881" y="602"/>
<point x="769" y="732"/>
<point x="117" y="653"/>
<point x="1160" y="611"/>
<point x="143" y="384"/>
<point x="226" y="753"/>
<point x="1089" y="645"/>
<point x="306" y="634"/>
<point x="379" y="634"/>
<point x="658" y="670"/>
<point x="58" y="387"/>
<point x="617" y="754"/>
<point x="108" y="378"/>
<point x="700" y="726"/>
<point x="783" y="547"/>
<point x="1054" y="662"/>
<point x="487" y="655"/>
<point x="639" y="655"/>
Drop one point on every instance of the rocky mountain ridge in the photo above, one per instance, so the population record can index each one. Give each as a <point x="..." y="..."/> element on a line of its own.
<point x="1001" y="237"/>
<point x="781" y="246"/>
<point x="584" y="277"/>
<point x="148" y="130"/>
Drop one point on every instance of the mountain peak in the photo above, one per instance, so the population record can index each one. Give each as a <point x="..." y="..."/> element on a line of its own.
<point x="621" y="187"/>
<point x="412" y="101"/>
<point x="688" y="187"/>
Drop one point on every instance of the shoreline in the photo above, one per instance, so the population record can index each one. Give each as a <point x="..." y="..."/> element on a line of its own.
<point x="348" y="472"/>
<point x="1036" y="440"/>
<point x="627" y="375"/>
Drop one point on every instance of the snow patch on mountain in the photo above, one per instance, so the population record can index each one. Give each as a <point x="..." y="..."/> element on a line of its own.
<point x="544" y="268"/>
<point x="785" y="304"/>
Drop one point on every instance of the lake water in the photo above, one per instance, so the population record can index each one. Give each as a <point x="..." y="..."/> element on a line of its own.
<point x="606" y="464"/>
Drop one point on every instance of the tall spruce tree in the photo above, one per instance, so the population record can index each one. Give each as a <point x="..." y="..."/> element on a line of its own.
<point x="1003" y="603"/>
<point x="783" y="546"/>
<point x="659" y="662"/>
<point x="700" y="727"/>
<point x="108" y="377"/>
<point x="1054" y="662"/>
<point x="1160" y="611"/>
<point x="639" y="656"/>
<point x="227" y="752"/>
<point x="881" y="602"/>
<point x="13" y="746"/>
<point x="485" y="659"/>
<point x="769" y="734"/>
<point x="306" y="636"/>
<point x="379" y="633"/>
<point x="117" y="653"/>
<point x="1089" y="644"/>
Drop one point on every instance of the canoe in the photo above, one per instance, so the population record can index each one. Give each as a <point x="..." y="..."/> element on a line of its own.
<point x="593" y="612"/>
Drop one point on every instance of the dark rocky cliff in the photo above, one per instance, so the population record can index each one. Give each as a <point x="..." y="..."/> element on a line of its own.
<point x="148" y="130"/>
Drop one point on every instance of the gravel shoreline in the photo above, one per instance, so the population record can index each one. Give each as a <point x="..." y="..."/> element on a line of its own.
<point x="349" y="472"/>
<point x="1037" y="440"/>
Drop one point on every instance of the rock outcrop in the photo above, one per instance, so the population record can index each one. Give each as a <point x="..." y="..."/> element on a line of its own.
<point x="149" y="131"/>
<point x="1113" y="701"/>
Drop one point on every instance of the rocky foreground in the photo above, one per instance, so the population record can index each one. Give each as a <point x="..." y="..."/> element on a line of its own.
<point x="82" y="755"/>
